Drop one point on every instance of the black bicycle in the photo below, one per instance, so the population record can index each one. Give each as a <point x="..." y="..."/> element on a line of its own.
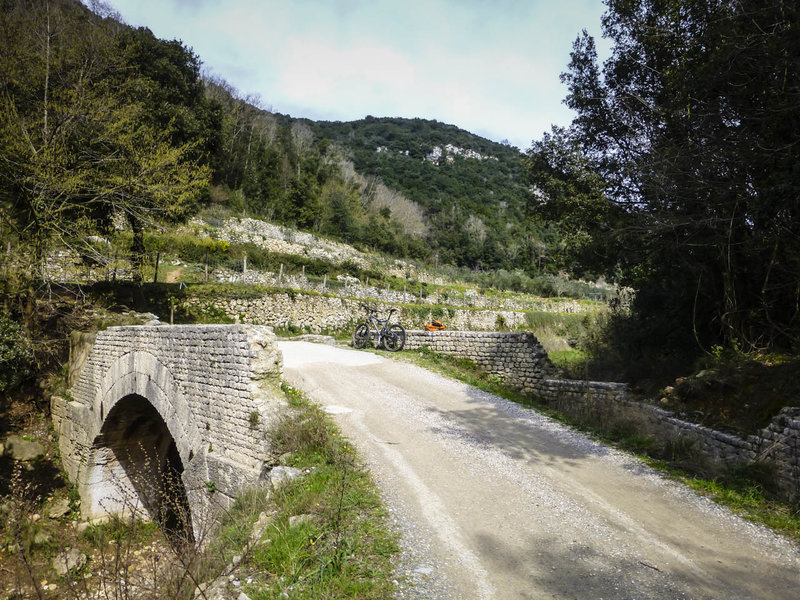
<point x="391" y="336"/>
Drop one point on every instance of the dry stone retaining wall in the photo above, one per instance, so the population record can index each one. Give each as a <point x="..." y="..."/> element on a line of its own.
<point x="319" y="313"/>
<point x="778" y="443"/>
<point x="517" y="358"/>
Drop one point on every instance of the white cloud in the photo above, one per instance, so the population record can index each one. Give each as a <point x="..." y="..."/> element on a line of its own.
<point x="489" y="67"/>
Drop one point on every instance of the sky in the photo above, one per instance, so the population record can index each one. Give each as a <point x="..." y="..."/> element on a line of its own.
<point x="488" y="66"/>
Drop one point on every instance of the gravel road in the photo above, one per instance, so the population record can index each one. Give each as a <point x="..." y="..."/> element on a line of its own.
<point x="495" y="501"/>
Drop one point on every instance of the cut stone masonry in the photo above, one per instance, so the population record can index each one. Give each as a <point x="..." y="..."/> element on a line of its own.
<point x="144" y="401"/>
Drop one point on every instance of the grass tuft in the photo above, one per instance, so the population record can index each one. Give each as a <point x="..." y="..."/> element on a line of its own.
<point x="329" y="537"/>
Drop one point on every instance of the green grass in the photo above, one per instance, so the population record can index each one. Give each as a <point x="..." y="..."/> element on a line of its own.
<point x="745" y="497"/>
<point x="571" y="362"/>
<point x="342" y="546"/>
<point x="118" y="530"/>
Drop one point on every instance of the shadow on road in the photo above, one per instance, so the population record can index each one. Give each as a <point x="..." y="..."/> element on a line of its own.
<point x="520" y="432"/>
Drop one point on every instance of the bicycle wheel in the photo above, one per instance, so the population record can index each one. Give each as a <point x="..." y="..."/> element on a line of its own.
<point x="394" y="338"/>
<point x="361" y="335"/>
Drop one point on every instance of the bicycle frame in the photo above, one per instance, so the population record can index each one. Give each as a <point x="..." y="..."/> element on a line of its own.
<point x="378" y="325"/>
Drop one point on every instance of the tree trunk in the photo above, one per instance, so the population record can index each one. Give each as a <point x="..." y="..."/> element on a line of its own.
<point x="137" y="249"/>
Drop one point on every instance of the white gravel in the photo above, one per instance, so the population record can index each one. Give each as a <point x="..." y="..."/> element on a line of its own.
<point x="494" y="500"/>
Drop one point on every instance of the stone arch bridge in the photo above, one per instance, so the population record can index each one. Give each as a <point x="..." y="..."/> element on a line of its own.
<point x="168" y="421"/>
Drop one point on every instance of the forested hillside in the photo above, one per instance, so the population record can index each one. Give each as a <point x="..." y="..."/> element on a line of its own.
<point x="678" y="176"/>
<point x="473" y="191"/>
<point x="410" y="187"/>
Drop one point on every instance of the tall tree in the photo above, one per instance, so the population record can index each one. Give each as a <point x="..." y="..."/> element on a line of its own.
<point x="693" y="122"/>
<point x="74" y="150"/>
<point x="568" y="194"/>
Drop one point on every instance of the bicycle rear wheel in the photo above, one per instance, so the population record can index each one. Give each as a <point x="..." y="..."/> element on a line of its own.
<point x="361" y="336"/>
<point x="394" y="338"/>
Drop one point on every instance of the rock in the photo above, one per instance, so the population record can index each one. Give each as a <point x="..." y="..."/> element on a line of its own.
<point x="297" y="519"/>
<point x="150" y="319"/>
<point x="82" y="526"/>
<point x="21" y="449"/>
<point x="242" y="596"/>
<point x="59" y="508"/>
<point x="42" y="538"/>
<point x="260" y="526"/>
<point x="68" y="560"/>
<point x="280" y="476"/>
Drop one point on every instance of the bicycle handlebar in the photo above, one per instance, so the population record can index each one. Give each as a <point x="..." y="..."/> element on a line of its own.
<point x="375" y="310"/>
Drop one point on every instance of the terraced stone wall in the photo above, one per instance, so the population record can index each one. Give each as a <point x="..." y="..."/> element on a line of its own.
<point x="319" y="313"/>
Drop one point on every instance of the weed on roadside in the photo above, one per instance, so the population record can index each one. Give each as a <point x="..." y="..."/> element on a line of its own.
<point x="324" y="535"/>
<point x="328" y="537"/>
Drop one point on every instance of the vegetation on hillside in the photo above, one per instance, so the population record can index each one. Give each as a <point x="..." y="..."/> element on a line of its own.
<point x="677" y="177"/>
<point x="472" y="190"/>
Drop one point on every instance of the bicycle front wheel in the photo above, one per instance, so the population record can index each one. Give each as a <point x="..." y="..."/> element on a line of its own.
<point x="361" y="336"/>
<point x="394" y="338"/>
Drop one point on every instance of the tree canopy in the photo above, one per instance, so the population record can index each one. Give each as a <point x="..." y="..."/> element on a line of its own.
<point x="82" y="137"/>
<point x="694" y="125"/>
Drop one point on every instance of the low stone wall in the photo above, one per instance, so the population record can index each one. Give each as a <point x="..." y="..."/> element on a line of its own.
<point x="778" y="443"/>
<point x="517" y="358"/>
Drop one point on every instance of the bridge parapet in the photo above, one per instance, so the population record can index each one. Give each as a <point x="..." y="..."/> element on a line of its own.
<point x="192" y="399"/>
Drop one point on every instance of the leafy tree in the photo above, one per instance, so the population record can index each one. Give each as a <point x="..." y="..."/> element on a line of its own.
<point x="74" y="149"/>
<point x="569" y="195"/>
<point x="693" y="124"/>
<point x="16" y="353"/>
<point x="164" y="77"/>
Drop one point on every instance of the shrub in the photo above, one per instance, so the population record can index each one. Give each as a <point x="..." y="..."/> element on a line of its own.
<point x="16" y="353"/>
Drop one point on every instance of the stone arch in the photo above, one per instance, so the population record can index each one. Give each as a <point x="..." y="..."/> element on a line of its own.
<point x="142" y="425"/>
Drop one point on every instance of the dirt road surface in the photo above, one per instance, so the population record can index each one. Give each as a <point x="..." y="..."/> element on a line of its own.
<point x="495" y="501"/>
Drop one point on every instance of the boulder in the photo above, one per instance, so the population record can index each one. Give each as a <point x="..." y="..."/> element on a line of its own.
<point x="280" y="476"/>
<point x="68" y="560"/>
<point x="59" y="508"/>
<point x="19" y="448"/>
